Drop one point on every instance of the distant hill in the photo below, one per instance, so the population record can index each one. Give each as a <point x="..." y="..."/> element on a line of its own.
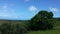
<point x="12" y="21"/>
<point x="57" y="19"/>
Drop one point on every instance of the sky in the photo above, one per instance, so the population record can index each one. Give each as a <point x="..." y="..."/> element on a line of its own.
<point x="26" y="9"/>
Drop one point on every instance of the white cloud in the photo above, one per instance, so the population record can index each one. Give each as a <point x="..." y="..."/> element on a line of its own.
<point x="4" y="15"/>
<point x="54" y="9"/>
<point x="32" y="8"/>
<point x="4" y="7"/>
<point x="26" y="0"/>
<point x="8" y="16"/>
<point x="7" y="13"/>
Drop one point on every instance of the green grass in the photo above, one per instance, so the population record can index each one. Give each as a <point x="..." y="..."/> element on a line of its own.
<point x="45" y="32"/>
<point x="56" y="30"/>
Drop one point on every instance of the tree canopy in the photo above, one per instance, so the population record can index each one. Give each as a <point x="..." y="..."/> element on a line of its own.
<point x="42" y="20"/>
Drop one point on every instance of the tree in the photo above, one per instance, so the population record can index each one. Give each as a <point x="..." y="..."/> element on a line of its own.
<point x="42" y="20"/>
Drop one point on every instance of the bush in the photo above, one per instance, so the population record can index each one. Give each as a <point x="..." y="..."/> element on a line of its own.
<point x="12" y="29"/>
<point x="40" y="25"/>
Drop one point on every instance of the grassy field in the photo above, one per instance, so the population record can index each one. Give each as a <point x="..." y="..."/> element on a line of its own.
<point x="56" y="30"/>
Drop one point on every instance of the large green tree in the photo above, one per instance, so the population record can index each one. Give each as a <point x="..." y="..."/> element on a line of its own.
<point x="42" y="20"/>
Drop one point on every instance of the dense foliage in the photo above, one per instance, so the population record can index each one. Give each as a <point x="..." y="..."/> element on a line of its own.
<point x="8" y="28"/>
<point x="42" y="21"/>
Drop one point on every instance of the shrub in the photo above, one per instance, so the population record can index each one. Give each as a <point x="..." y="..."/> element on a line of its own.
<point x="12" y="29"/>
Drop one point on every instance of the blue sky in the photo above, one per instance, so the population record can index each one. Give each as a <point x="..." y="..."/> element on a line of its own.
<point x="26" y="9"/>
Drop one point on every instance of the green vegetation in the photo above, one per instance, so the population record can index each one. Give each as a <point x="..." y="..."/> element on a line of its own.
<point x="56" y="30"/>
<point x="41" y="23"/>
<point x="9" y="28"/>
